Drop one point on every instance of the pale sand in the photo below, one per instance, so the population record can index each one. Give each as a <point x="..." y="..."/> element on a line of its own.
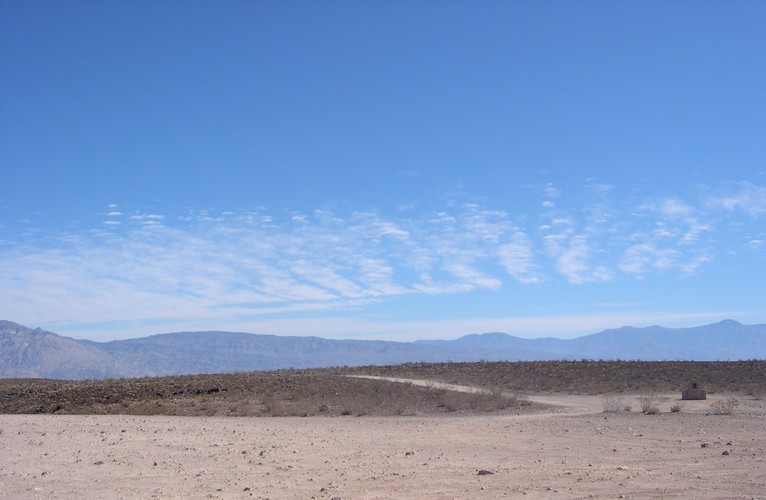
<point x="564" y="453"/>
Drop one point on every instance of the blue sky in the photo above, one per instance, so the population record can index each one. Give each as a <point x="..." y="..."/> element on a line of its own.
<point x="387" y="170"/>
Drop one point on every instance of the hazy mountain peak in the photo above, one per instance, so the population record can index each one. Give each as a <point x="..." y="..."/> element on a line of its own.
<point x="25" y="352"/>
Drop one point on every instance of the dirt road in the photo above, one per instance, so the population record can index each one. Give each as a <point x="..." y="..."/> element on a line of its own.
<point x="560" y="403"/>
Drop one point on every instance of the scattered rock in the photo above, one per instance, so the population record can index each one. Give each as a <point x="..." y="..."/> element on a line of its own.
<point x="704" y="445"/>
<point x="100" y="462"/>
<point x="484" y="472"/>
<point x="725" y="452"/>
<point x="407" y="454"/>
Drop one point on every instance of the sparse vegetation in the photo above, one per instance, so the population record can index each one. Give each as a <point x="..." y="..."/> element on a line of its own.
<point x="329" y="392"/>
<point x="677" y="407"/>
<point x="497" y="399"/>
<point x="725" y="406"/>
<point x="587" y="377"/>
<point x="612" y="403"/>
<point x="648" y="404"/>
<point x="300" y="393"/>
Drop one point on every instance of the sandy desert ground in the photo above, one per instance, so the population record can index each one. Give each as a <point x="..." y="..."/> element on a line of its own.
<point x="572" y="450"/>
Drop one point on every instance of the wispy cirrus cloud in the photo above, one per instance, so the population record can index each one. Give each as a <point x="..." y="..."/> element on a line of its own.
<point x="249" y="263"/>
<point x="641" y="258"/>
<point x="518" y="259"/>
<point x="740" y="196"/>
<point x="573" y="257"/>
<point x="223" y="264"/>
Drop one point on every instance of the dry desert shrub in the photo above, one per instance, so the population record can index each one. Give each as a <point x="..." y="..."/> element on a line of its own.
<point x="147" y="408"/>
<point x="677" y="407"/>
<point x="756" y="392"/>
<point x="612" y="403"/>
<point x="648" y="402"/>
<point x="409" y="405"/>
<point x="448" y="400"/>
<point x="498" y="399"/>
<point x="272" y="406"/>
<point x="725" y="406"/>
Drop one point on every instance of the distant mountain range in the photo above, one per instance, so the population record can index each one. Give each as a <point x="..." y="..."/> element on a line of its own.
<point x="26" y="352"/>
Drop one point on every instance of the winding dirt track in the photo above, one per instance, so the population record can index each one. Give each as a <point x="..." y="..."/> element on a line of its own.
<point x="571" y="451"/>
<point x="560" y="403"/>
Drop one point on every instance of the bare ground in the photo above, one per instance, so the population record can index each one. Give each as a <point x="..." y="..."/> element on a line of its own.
<point x="570" y="450"/>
